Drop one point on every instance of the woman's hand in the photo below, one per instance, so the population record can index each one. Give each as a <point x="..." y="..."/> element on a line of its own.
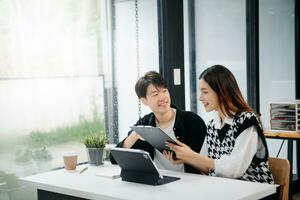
<point x="184" y="154"/>
<point x="182" y="151"/>
<point x="170" y="156"/>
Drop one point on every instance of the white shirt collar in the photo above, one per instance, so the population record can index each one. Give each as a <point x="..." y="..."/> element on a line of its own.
<point x="217" y="121"/>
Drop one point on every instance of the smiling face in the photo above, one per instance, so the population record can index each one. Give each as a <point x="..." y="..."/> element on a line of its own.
<point x="208" y="97"/>
<point x="158" y="99"/>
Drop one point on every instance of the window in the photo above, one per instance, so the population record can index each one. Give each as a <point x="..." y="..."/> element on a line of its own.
<point x="68" y="68"/>
<point x="124" y="53"/>
<point x="277" y="58"/>
<point x="220" y="35"/>
<point x="51" y="85"/>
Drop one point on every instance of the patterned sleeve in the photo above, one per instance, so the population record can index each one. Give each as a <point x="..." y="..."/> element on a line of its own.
<point x="236" y="164"/>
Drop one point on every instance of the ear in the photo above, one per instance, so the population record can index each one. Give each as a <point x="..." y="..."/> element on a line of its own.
<point x="144" y="101"/>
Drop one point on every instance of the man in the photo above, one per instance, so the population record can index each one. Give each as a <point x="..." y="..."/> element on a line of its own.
<point x="185" y="126"/>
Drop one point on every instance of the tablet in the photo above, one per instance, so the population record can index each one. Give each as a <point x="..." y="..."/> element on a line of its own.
<point x="137" y="166"/>
<point x="135" y="160"/>
<point x="154" y="136"/>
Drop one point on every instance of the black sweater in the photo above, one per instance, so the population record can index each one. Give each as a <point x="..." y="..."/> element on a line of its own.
<point x="189" y="128"/>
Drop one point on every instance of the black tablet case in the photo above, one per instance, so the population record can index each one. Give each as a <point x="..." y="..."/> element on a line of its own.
<point x="137" y="166"/>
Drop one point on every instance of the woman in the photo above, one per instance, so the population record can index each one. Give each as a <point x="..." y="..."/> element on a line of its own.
<point x="235" y="146"/>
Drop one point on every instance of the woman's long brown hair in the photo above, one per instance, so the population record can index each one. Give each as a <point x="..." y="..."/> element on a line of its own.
<point x="223" y="82"/>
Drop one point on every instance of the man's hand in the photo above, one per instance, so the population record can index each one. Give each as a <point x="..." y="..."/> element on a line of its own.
<point x="131" y="139"/>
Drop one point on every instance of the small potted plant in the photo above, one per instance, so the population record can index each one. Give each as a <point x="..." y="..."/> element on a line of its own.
<point x="95" y="144"/>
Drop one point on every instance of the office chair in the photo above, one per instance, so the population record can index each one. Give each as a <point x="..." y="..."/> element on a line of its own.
<point x="280" y="169"/>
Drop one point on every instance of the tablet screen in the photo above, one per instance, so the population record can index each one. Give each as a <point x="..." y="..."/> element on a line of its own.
<point x="154" y="136"/>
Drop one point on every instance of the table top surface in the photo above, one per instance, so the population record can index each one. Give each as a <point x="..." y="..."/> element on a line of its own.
<point x="190" y="186"/>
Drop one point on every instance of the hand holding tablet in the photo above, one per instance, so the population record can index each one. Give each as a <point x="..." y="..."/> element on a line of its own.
<point x="154" y="136"/>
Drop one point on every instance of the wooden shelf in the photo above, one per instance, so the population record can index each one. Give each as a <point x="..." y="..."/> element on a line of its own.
<point x="282" y="134"/>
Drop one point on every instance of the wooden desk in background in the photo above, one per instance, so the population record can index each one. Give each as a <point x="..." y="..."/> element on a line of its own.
<point x="282" y="135"/>
<point x="290" y="137"/>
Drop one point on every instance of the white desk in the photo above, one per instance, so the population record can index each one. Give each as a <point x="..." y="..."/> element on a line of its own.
<point x="89" y="186"/>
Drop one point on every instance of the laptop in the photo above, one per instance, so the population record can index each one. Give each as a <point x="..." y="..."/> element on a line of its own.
<point x="137" y="166"/>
